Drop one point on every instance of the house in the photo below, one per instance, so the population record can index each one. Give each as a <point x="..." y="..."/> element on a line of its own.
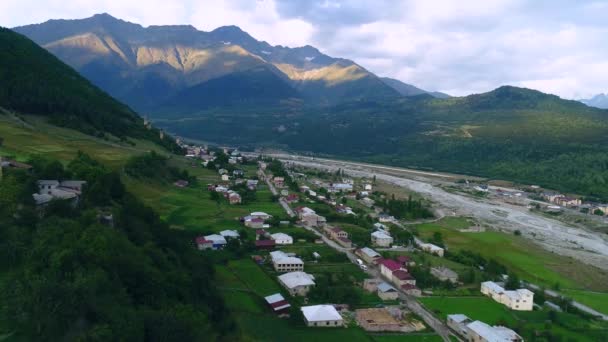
<point x="367" y="187"/>
<point x="217" y="240"/>
<point x="313" y="220"/>
<point x="322" y="316"/>
<point x="368" y="255"/>
<point x="458" y="323"/>
<point x="385" y="218"/>
<point x="265" y="244"/>
<point x="225" y="178"/>
<point x="259" y="233"/>
<point x="337" y="187"/>
<point x="569" y="201"/>
<point x="252" y="222"/>
<point x="291" y="198"/>
<point x="371" y="284"/>
<point x="480" y="331"/>
<point x="277" y="303"/>
<point x="181" y="183"/>
<point x="234" y="198"/>
<point x="281" y="239"/>
<point x="6" y="163"/>
<point x="279" y="182"/>
<point x="261" y="215"/>
<point x="344" y="242"/>
<point x="411" y="290"/>
<point x="312" y="194"/>
<point x="252" y="184"/>
<point x="49" y="190"/>
<point x="387" y="266"/>
<point x="444" y="274"/>
<point x="304" y="188"/>
<point x="222" y="171"/>
<point x="221" y="189"/>
<point x="380" y="226"/>
<point x="387" y="292"/>
<point x="381" y="239"/>
<point x="285" y="263"/>
<point x="238" y="173"/>
<point x="297" y="283"/>
<point x="402" y="277"/>
<point x="521" y="299"/>
<point x="230" y="234"/>
<point x="368" y="202"/>
<point x="429" y="248"/>
<point x="203" y="244"/>
<point x="377" y="319"/>
<point x="336" y="232"/>
<point x="405" y="261"/>
<point x="301" y="211"/>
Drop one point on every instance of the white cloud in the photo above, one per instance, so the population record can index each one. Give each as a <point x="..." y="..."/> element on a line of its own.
<point x="459" y="47"/>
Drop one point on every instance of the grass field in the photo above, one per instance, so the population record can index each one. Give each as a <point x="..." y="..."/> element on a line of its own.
<point x="476" y="308"/>
<point x="521" y="256"/>
<point x="595" y="300"/>
<point x="39" y="138"/>
<point x="192" y="208"/>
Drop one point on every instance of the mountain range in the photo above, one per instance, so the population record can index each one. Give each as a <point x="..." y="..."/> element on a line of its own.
<point x="598" y="101"/>
<point x="159" y="66"/>
<point x="226" y="87"/>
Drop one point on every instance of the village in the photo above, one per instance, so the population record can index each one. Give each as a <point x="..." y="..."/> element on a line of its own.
<point x="326" y="249"/>
<point x="343" y="218"/>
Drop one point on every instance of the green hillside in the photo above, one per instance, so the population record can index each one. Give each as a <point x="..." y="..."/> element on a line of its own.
<point x="36" y="82"/>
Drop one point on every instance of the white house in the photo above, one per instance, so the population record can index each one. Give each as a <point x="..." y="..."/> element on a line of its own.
<point x="322" y="316"/>
<point x="521" y="299"/>
<point x="367" y="187"/>
<point x="261" y="215"/>
<point x="217" y="240"/>
<point x="230" y="234"/>
<point x="225" y="177"/>
<point x="297" y="283"/>
<point x="387" y="292"/>
<point x="480" y="331"/>
<point x="381" y="239"/>
<point x="285" y="263"/>
<point x="281" y="239"/>
<point x="429" y="247"/>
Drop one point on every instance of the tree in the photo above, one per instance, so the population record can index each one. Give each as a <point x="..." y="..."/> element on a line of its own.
<point x="512" y="282"/>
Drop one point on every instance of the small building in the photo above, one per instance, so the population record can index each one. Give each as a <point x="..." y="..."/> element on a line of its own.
<point x="344" y="242"/>
<point x="480" y="331"/>
<point x="281" y="239"/>
<point x="411" y="290"/>
<point x="429" y="247"/>
<point x="253" y="222"/>
<point x="368" y="255"/>
<point x="277" y="303"/>
<point x="285" y="263"/>
<point x="238" y="173"/>
<point x="322" y="316"/>
<point x="203" y="244"/>
<point x="260" y="215"/>
<point x="367" y="187"/>
<point x="292" y="198"/>
<point x="181" y="183"/>
<point x="230" y="234"/>
<point x="234" y="198"/>
<point x="402" y="277"/>
<point x="405" y="261"/>
<point x="385" y="218"/>
<point x="279" y="182"/>
<point x="368" y="202"/>
<point x="387" y="292"/>
<point x="218" y="240"/>
<point x="387" y="266"/>
<point x="297" y="283"/>
<point x="381" y="239"/>
<point x="381" y="226"/>
<point x="252" y="184"/>
<point x="265" y="244"/>
<point x="225" y="177"/>
<point x="371" y="284"/>
<point x="336" y="232"/>
<point x="444" y="274"/>
<point x="521" y="299"/>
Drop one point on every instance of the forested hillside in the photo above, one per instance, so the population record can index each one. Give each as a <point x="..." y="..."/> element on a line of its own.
<point x="33" y="81"/>
<point x="67" y="275"/>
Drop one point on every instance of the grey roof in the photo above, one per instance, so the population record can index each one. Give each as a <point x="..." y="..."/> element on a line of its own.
<point x="384" y="287"/>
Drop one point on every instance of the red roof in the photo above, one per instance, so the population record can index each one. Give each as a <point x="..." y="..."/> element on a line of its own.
<point x="257" y="220"/>
<point x="390" y="264"/>
<point x="264" y="243"/>
<point x="201" y="240"/>
<point x="409" y="287"/>
<point x="402" y="275"/>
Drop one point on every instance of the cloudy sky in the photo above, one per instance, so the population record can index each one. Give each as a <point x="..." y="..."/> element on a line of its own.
<point x="459" y="47"/>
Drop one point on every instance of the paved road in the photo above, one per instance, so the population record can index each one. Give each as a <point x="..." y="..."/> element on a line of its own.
<point x="577" y="305"/>
<point x="274" y="191"/>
